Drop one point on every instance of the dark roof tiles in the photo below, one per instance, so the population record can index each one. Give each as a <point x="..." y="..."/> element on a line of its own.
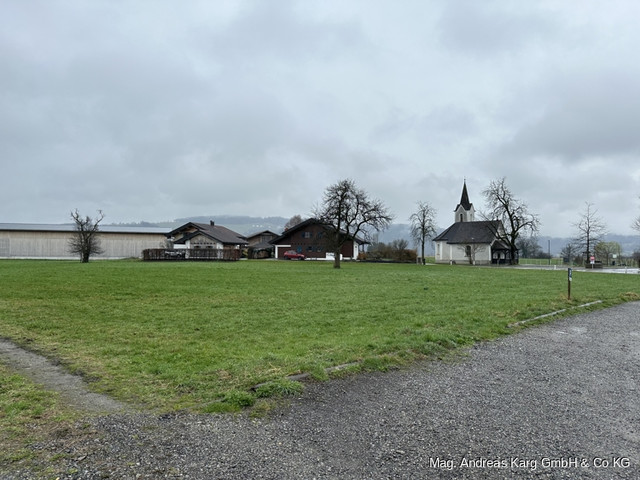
<point x="470" y="232"/>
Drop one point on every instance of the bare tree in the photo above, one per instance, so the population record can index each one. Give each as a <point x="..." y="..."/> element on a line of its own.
<point x="512" y="213"/>
<point x="608" y="250"/>
<point x="471" y="250"/>
<point x="570" y="252"/>
<point x="347" y="211"/>
<point x="293" y="221"/>
<point x="530" y="248"/>
<point x="85" y="241"/>
<point x="636" y="224"/>
<point x="590" y="230"/>
<point x="422" y="225"/>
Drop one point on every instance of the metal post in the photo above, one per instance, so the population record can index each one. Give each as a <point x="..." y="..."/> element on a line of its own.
<point x="569" y="280"/>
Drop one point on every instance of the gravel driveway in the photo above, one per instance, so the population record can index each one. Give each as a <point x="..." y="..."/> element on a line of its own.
<point x="555" y="401"/>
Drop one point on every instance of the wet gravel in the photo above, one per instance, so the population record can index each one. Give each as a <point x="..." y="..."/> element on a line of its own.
<point x="554" y="401"/>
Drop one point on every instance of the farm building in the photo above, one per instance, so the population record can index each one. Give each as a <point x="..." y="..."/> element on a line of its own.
<point x="28" y="240"/>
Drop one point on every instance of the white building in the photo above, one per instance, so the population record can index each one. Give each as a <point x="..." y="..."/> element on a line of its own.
<point x="471" y="241"/>
<point x="28" y="240"/>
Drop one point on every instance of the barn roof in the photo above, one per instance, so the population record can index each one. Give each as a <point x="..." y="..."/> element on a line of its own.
<point x="70" y="227"/>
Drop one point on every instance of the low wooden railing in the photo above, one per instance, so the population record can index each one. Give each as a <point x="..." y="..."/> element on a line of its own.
<point x="192" y="254"/>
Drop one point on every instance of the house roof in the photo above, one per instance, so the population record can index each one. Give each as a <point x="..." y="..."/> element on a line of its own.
<point x="302" y="225"/>
<point x="215" y="232"/>
<point x="470" y="232"/>
<point x="263" y="232"/>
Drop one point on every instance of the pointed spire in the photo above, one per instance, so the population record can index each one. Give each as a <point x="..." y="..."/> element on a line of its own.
<point x="464" y="200"/>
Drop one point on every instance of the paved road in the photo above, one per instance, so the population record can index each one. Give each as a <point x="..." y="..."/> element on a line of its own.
<point x="555" y="401"/>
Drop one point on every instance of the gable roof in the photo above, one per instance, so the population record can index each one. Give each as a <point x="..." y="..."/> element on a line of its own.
<point x="263" y="232"/>
<point x="302" y="225"/>
<point x="215" y="232"/>
<point x="470" y="232"/>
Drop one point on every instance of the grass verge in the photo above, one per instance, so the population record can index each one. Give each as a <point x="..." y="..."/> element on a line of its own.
<point x="28" y="414"/>
<point x="199" y="335"/>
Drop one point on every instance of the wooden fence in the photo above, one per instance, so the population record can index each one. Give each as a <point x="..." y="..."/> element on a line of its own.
<point x="192" y="254"/>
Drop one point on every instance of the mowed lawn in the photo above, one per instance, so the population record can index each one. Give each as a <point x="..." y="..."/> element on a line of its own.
<point x="200" y="335"/>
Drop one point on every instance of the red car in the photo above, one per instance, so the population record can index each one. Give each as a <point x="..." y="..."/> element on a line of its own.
<point x="293" y="255"/>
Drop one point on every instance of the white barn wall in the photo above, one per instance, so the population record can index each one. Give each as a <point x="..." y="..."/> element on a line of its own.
<point x="127" y="245"/>
<point x="32" y="242"/>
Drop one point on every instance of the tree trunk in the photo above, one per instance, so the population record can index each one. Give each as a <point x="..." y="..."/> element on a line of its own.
<point x="336" y="260"/>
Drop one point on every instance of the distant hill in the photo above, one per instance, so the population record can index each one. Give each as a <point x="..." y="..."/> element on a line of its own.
<point x="244" y="225"/>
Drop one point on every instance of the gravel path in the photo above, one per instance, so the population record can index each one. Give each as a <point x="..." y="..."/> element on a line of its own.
<point x="554" y="401"/>
<point x="72" y="388"/>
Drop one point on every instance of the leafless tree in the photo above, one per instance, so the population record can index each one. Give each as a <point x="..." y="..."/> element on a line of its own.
<point x="471" y="250"/>
<point x="590" y="230"/>
<point x="529" y="247"/>
<point x="636" y="224"/>
<point x="607" y="251"/>
<point x="570" y="252"/>
<point x="512" y="212"/>
<point x="85" y="241"/>
<point x="293" y="221"/>
<point x="422" y="225"/>
<point x="347" y="211"/>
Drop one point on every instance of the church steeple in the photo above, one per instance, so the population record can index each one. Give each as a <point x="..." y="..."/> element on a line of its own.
<point x="465" y="212"/>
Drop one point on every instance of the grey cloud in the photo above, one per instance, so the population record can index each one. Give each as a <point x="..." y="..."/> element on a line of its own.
<point x="444" y="123"/>
<point x="586" y="114"/>
<point x="492" y="27"/>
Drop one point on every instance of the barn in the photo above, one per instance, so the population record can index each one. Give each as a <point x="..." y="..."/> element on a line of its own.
<point x="29" y="240"/>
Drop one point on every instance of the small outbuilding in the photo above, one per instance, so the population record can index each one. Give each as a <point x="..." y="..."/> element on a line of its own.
<point x="260" y="245"/>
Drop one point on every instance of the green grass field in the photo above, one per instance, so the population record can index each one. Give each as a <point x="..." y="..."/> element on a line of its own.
<point x="199" y="335"/>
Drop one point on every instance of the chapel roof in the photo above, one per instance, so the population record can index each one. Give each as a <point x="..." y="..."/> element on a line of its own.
<point x="470" y="232"/>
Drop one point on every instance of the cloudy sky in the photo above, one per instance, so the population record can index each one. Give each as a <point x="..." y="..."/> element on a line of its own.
<point x="156" y="110"/>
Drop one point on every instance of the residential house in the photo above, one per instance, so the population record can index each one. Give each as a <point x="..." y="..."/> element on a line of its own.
<point x="471" y="241"/>
<point x="310" y="238"/>
<point x="206" y="236"/>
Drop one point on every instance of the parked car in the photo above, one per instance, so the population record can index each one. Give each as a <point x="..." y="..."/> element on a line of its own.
<point x="293" y="255"/>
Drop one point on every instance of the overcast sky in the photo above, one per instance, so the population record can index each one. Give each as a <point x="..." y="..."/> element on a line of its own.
<point x="156" y="110"/>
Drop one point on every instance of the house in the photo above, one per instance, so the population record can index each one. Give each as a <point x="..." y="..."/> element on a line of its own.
<point x="260" y="245"/>
<point x="309" y="238"/>
<point x="471" y="241"/>
<point x="194" y="236"/>
<point x="51" y="241"/>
